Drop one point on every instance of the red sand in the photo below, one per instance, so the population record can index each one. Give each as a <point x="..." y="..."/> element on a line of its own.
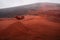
<point x="31" y="28"/>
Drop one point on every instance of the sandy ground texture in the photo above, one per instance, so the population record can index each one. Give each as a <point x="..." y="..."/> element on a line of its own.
<point x="30" y="28"/>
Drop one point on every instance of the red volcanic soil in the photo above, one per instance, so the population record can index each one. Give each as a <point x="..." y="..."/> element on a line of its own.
<point x="30" y="28"/>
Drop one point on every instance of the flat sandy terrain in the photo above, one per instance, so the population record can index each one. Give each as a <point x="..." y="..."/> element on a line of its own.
<point x="30" y="28"/>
